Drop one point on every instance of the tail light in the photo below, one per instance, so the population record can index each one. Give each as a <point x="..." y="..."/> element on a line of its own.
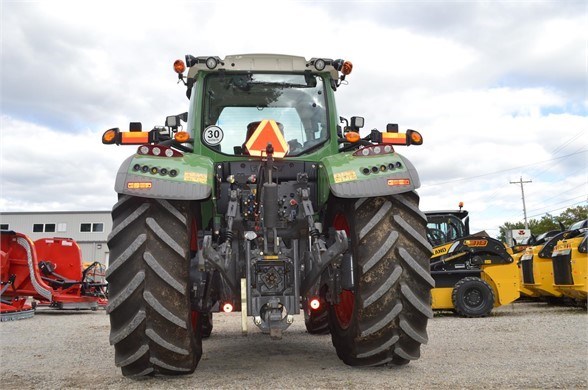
<point x="227" y="308"/>
<point x="158" y="151"/>
<point x="315" y="304"/>
<point x="374" y="150"/>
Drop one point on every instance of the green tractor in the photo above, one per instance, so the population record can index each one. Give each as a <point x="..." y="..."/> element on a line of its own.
<point x="268" y="203"/>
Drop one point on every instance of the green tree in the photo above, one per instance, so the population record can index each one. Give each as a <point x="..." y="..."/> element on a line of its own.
<point x="573" y="214"/>
<point x="547" y="222"/>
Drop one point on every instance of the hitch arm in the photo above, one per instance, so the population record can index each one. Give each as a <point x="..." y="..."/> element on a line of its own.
<point x="322" y="260"/>
<point x="222" y="264"/>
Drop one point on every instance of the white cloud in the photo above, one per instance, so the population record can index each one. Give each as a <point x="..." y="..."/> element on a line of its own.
<point x="492" y="87"/>
<point x="46" y="170"/>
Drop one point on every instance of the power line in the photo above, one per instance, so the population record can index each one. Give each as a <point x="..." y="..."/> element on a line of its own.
<point x="547" y="212"/>
<point x="561" y="208"/>
<point x="554" y="152"/>
<point x="506" y="170"/>
<point x="558" y="203"/>
<point x="562" y="146"/>
<point x="567" y="191"/>
<point x="557" y="150"/>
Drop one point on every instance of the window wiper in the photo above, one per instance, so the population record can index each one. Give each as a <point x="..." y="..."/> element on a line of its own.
<point x="283" y="85"/>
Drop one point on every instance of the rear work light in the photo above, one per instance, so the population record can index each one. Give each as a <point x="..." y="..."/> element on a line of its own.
<point x="158" y="151"/>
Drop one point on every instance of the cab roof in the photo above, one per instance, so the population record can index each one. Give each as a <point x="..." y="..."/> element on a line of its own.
<point x="260" y="62"/>
<point x="461" y="214"/>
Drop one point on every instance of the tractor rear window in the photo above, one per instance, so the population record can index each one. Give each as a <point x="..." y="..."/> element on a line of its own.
<point x="235" y="104"/>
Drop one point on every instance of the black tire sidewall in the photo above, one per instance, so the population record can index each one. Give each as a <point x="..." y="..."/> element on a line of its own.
<point x="368" y="340"/>
<point x="464" y="287"/>
<point x="127" y="227"/>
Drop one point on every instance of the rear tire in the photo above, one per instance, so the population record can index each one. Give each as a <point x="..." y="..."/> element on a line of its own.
<point x="383" y="318"/>
<point x="149" y="305"/>
<point x="472" y="297"/>
<point x="206" y="324"/>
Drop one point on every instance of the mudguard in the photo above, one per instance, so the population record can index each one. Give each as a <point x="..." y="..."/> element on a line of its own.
<point x="350" y="176"/>
<point x="185" y="178"/>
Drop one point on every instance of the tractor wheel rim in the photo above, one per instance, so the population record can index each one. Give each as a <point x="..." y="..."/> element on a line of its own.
<point x="345" y="308"/>
<point x="194" y="318"/>
<point x="473" y="297"/>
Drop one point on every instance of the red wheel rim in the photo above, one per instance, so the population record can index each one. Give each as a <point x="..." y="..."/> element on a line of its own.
<point x="344" y="310"/>
<point x="194" y="319"/>
<point x="194" y="237"/>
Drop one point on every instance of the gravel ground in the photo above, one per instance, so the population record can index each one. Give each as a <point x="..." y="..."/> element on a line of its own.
<point x="522" y="345"/>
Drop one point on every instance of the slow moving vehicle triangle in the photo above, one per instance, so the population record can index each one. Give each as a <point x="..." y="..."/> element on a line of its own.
<point x="268" y="131"/>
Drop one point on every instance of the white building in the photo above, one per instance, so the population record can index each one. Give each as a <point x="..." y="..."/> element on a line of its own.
<point x="89" y="229"/>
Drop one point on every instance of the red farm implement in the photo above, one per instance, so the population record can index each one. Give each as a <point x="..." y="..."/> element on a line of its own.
<point x="49" y="270"/>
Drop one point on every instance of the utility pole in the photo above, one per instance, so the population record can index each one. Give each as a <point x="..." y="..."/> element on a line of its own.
<point x="521" y="182"/>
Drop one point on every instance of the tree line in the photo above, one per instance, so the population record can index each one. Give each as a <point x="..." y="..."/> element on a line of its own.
<point x="548" y="222"/>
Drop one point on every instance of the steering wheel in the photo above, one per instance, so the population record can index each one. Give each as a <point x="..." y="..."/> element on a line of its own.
<point x="436" y="237"/>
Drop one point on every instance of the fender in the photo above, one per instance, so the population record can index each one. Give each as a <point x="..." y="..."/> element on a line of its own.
<point x="185" y="178"/>
<point x="352" y="176"/>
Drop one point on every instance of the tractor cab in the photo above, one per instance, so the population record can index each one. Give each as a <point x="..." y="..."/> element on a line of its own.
<point x="295" y="102"/>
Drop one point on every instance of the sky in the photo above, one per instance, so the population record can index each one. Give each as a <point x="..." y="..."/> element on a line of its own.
<point x="498" y="89"/>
